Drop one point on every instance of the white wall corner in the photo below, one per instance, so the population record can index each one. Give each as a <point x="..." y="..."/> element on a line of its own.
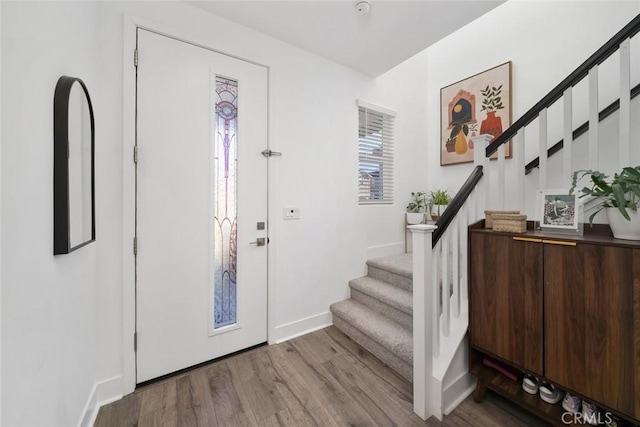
<point x="102" y="393"/>
<point x="301" y="327"/>
<point x="385" y="250"/>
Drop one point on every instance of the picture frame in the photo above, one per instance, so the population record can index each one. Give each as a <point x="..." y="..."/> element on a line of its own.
<point x="480" y="104"/>
<point x="558" y="210"/>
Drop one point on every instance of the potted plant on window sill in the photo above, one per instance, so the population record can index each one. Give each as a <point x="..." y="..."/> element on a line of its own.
<point x="416" y="208"/>
<point x="438" y="201"/>
<point x="620" y="198"/>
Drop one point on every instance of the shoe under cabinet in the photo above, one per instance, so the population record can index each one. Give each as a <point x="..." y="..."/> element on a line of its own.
<point x="565" y="309"/>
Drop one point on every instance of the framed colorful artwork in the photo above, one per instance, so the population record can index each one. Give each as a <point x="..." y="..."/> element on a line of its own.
<point x="480" y="104"/>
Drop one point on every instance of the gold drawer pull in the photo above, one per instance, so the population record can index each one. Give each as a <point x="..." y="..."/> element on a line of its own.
<point x="559" y="242"/>
<point x="527" y="239"/>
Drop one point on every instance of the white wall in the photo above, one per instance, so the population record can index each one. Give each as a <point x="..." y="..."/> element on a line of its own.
<point x="544" y="40"/>
<point x="62" y="317"/>
<point x="50" y="304"/>
<point x="404" y="89"/>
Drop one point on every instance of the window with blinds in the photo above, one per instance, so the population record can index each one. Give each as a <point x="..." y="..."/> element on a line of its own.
<point x="375" y="153"/>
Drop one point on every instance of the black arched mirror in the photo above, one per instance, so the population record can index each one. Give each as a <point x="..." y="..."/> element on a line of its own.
<point x="73" y="167"/>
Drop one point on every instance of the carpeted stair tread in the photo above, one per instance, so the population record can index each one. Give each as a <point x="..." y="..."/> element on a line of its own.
<point x="401" y="265"/>
<point x="389" y="334"/>
<point x="391" y="295"/>
<point x="387" y="357"/>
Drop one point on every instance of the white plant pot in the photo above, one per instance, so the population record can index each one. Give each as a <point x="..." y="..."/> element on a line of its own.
<point x="437" y="210"/>
<point x="415" y="217"/>
<point x="623" y="229"/>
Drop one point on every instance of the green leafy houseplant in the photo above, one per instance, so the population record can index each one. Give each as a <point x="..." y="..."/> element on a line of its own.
<point x="438" y="198"/>
<point x="622" y="192"/>
<point x="417" y="203"/>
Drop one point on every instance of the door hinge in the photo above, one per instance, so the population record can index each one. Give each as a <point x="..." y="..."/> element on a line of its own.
<point x="135" y="246"/>
<point x="135" y="341"/>
<point x="135" y="57"/>
<point x="135" y="154"/>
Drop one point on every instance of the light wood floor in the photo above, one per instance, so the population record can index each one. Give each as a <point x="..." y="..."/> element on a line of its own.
<point x="320" y="379"/>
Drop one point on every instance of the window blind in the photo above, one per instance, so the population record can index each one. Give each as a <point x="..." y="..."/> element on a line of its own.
<point x="375" y="154"/>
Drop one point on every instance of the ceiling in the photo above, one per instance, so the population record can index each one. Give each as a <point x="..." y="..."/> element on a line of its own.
<point x="394" y="30"/>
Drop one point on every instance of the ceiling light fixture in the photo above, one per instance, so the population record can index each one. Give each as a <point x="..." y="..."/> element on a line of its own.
<point x="363" y="8"/>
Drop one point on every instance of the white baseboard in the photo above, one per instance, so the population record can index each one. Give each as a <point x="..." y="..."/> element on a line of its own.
<point x="102" y="393"/>
<point x="385" y="250"/>
<point x="303" y="326"/>
<point x="458" y="391"/>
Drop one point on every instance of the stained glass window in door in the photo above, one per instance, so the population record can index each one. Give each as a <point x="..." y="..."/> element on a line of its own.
<point x="225" y="170"/>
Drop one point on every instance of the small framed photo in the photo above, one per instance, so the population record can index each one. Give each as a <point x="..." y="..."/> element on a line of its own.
<point x="558" y="211"/>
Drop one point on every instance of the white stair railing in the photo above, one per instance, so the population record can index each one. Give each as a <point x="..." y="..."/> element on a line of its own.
<point x="557" y="116"/>
<point x="440" y="297"/>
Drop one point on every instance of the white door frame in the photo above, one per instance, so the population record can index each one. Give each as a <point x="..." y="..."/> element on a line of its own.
<point x="131" y="24"/>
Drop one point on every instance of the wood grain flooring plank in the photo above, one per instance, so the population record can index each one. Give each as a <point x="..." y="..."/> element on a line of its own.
<point x="345" y="379"/>
<point x="323" y="380"/>
<point x="322" y="350"/>
<point x="381" y="394"/>
<point x="370" y="380"/>
<point x="350" y="347"/>
<point x="230" y="410"/>
<point x="281" y="419"/>
<point x="259" y="386"/>
<point x="122" y="413"/>
<point x="158" y="405"/>
<point x="342" y="407"/>
<point x="303" y="404"/>
<point x="194" y="404"/>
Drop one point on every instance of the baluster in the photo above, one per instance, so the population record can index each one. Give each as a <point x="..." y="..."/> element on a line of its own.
<point x="455" y="277"/>
<point x="518" y="153"/>
<point x="444" y="284"/>
<point x="435" y="300"/>
<point x="594" y="120"/>
<point x="567" y="147"/>
<point x="464" y="224"/>
<point x="542" y="148"/>
<point x="502" y="194"/>
<point x="625" y="104"/>
<point x="480" y="159"/>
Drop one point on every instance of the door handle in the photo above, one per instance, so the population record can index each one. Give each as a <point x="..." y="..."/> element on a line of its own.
<point x="269" y="153"/>
<point x="260" y="241"/>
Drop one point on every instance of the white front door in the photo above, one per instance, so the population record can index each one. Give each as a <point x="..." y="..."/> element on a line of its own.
<point x="201" y="279"/>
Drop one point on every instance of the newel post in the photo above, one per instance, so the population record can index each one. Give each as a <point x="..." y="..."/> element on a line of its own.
<point x="423" y="397"/>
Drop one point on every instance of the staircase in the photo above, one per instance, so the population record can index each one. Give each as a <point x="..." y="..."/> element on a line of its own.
<point x="379" y="314"/>
<point x="404" y="294"/>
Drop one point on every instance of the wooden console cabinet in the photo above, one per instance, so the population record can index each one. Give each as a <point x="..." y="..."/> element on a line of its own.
<point x="563" y="308"/>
